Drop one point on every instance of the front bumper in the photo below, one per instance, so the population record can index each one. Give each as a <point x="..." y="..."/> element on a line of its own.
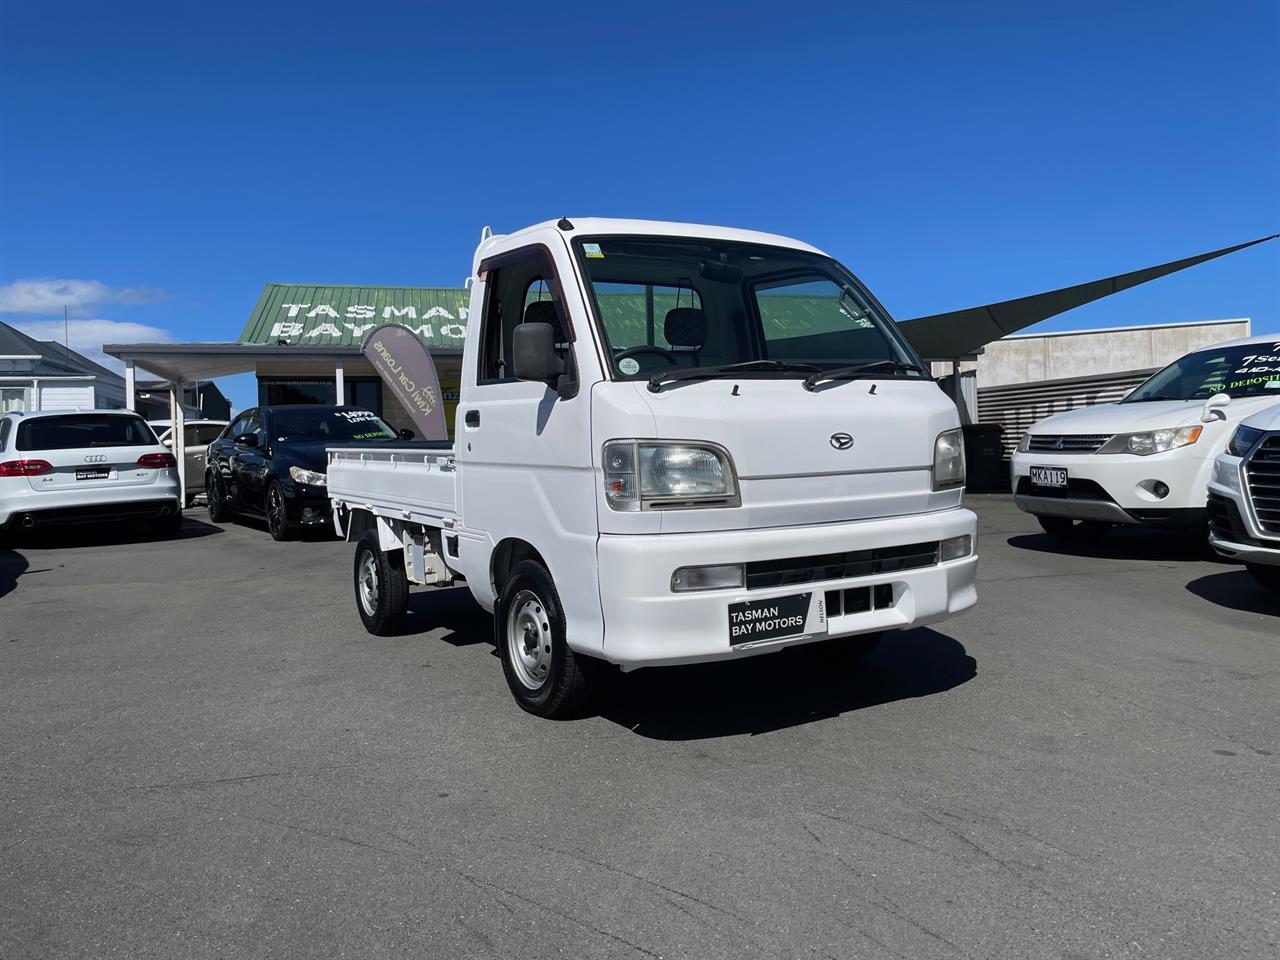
<point x="1116" y="488"/>
<point x="306" y="505"/>
<point x="1233" y="528"/>
<point x="646" y="624"/>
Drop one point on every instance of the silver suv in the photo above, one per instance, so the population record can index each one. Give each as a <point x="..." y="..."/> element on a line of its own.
<point x="84" y="466"/>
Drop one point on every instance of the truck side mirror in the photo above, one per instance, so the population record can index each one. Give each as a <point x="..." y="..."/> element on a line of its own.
<point x="533" y="346"/>
<point x="1213" y="408"/>
<point x="247" y="439"/>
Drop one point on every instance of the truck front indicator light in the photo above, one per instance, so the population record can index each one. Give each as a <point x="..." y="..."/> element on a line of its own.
<point x="726" y="576"/>
<point x="955" y="548"/>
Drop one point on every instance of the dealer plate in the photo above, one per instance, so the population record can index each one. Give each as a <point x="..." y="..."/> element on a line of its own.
<point x="1049" y="476"/>
<point x="752" y="621"/>
<point x="94" y="473"/>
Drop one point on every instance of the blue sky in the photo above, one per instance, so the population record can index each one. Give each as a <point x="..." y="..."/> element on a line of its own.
<point x="171" y="158"/>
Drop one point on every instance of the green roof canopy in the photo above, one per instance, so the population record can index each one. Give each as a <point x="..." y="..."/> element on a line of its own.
<point x="342" y="316"/>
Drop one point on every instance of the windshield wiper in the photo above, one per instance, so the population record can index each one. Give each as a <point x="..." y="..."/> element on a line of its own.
<point x="728" y="369"/>
<point x="843" y="373"/>
<point x="1158" y="396"/>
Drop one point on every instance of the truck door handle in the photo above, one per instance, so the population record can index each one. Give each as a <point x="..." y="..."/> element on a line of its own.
<point x="473" y="418"/>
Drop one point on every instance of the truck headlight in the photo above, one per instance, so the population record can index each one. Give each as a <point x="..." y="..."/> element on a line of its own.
<point x="948" y="460"/>
<point x="656" y="475"/>
<point x="1243" y="439"/>
<point x="312" y="477"/>
<point x="1152" y="441"/>
<point x="1025" y="443"/>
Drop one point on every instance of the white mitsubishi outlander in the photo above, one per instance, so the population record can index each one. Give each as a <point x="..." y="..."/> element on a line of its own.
<point x="69" y="467"/>
<point x="1147" y="459"/>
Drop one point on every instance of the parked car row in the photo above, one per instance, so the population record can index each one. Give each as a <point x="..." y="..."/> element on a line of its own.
<point x="1197" y="446"/>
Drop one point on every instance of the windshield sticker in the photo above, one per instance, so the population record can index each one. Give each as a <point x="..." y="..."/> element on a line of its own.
<point x="356" y="416"/>
<point x="629" y="365"/>
<point x="592" y="251"/>
<point x="376" y="435"/>
<point x="1269" y="382"/>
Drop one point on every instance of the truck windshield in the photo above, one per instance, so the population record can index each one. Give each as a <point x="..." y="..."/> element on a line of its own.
<point x="668" y="304"/>
<point x="326" y="425"/>
<point x="1248" y="370"/>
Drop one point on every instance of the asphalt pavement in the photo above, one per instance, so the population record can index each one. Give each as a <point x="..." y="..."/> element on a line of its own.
<point x="202" y="755"/>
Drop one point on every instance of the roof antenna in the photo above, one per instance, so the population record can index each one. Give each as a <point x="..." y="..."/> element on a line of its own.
<point x="565" y="224"/>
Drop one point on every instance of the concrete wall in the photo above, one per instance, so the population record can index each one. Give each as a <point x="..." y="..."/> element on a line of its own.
<point x="1091" y="353"/>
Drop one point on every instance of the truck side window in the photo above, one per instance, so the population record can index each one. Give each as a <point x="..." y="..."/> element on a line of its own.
<point x="522" y="290"/>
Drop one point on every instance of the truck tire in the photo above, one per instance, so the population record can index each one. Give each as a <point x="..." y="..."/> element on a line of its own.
<point x="545" y="676"/>
<point x="1268" y="576"/>
<point x="382" y="586"/>
<point x="1073" y="531"/>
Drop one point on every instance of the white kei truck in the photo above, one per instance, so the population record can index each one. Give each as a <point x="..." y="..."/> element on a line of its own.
<point x="674" y="444"/>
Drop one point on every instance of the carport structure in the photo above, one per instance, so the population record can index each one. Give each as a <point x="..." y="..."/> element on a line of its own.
<point x="181" y="364"/>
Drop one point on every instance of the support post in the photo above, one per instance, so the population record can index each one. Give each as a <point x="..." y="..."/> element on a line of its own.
<point x="130" y="387"/>
<point x="957" y="391"/>
<point x="177" y="434"/>
<point x="339" y="384"/>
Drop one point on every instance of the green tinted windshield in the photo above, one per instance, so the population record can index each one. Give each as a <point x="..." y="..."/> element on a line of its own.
<point x="1249" y="370"/>
<point x="666" y="303"/>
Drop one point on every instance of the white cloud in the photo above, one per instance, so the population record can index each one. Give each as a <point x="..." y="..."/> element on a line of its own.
<point x="50" y="295"/>
<point x="87" y="336"/>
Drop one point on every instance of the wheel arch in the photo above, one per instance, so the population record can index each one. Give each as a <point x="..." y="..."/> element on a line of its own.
<point x="506" y="555"/>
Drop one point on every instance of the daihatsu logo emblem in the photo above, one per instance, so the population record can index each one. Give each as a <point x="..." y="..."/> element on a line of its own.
<point x="96" y="458"/>
<point x="841" y="441"/>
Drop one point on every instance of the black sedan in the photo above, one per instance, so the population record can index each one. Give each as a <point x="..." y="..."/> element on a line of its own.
<point x="271" y="461"/>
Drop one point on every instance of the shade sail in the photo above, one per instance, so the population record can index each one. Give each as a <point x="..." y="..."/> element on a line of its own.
<point x="961" y="332"/>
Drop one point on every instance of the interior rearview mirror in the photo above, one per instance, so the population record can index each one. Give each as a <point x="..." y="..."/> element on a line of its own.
<point x="406" y="434"/>
<point x="1213" y="408"/>
<point x="533" y="346"/>
<point x="247" y="439"/>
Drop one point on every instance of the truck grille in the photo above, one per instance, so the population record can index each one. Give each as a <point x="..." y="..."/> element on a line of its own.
<point x="1067" y="443"/>
<point x="838" y="566"/>
<point x="1263" y="472"/>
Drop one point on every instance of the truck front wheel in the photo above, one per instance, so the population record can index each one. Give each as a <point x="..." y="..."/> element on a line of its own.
<point x="1266" y="575"/>
<point x="545" y="676"/>
<point x="382" y="586"/>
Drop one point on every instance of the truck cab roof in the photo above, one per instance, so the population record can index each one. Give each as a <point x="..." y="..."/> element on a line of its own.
<point x="491" y="244"/>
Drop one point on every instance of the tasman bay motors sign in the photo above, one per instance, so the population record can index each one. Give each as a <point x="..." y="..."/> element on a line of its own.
<point x="308" y="321"/>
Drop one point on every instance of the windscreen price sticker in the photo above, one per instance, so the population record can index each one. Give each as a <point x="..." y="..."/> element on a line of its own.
<point x="356" y="416"/>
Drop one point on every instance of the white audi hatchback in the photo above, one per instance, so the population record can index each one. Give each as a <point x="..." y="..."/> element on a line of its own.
<point x="85" y="466"/>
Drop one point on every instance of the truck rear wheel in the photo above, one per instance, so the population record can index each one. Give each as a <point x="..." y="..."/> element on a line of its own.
<point x="545" y="676"/>
<point x="382" y="586"/>
<point x="1266" y="575"/>
<point x="1073" y="531"/>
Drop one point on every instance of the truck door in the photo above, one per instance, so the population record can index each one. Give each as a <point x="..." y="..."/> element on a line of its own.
<point x="524" y="450"/>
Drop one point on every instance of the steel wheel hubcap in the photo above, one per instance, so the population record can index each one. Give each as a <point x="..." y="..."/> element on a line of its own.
<point x="529" y="645"/>
<point x="367" y="581"/>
